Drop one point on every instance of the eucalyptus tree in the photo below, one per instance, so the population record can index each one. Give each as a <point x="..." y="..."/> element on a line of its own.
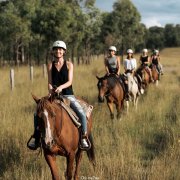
<point x="107" y="36"/>
<point x="171" y="35"/>
<point x="52" y="21"/>
<point x="85" y="27"/>
<point x="92" y="29"/>
<point x="77" y="27"/>
<point x="177" y="28"/>
<point x="155" y="37"/>
<point x="127" y="29"/>
<point x="15" y="31"/>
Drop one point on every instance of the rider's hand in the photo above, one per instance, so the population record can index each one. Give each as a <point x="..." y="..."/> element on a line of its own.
<point x="58" y="89"/>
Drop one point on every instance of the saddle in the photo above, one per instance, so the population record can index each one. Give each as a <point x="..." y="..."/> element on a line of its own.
<point x="65" y="103"/>
<point x="122" y="80"/>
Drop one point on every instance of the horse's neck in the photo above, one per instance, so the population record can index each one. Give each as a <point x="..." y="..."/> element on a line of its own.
<point x="62" y="118"/>
<point x="112" y="82"/>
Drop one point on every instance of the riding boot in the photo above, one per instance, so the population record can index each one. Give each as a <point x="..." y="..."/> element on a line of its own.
<point x="140" y="88"/>
<point x="84" y="141"/>
<point x="126" y="92"/>
<point x="34" y="141"/>
<point x="151" y="78"/>
<point x="139" y="83"/>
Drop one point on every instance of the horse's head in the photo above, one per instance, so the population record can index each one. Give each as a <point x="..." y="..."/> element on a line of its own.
<point x="105" y="85"/>
<point x="46" y="119"/>
<point x="102" y="88"/>
<point x="130" y="78"/>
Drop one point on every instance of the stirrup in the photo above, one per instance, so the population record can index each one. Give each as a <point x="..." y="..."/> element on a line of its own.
<point x="29" y="146"/>
<point x="85" y="148"/>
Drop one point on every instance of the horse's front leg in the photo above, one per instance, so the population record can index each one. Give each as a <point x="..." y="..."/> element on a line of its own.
<point x="70" y="162"/>
<point x="127" y="107"/>
<point x="51" y="161"/>
<point x="110" y="106"/>
<point x="119" y="109"/>
<point x="136" y="101"/>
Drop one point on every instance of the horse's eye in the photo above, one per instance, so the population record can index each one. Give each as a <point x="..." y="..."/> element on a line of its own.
<point x="99" y="84"/>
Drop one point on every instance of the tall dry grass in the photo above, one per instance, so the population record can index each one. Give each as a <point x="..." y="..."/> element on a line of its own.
<point x="143" y="145"/>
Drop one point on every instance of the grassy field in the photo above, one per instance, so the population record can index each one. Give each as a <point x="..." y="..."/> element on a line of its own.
<point x="144" y="145"/>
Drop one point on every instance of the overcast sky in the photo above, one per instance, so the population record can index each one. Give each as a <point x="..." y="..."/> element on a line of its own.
<point x="153" y="12"/>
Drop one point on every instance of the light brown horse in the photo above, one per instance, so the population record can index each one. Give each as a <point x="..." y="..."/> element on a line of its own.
<point x="110" y="88"/>
<point x="61" y="137"/>
<point x="155" y="74"/>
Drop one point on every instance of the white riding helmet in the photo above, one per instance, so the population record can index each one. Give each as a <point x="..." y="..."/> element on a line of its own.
<point x="144" y="50"/>
<point x="129" y="51"/>
<point x="155" y="51"/>
<point x="112" y="48"/>
<point x="60" y="44"/>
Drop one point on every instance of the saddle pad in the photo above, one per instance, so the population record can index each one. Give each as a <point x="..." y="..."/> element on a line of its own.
<point x="86" y="107"/>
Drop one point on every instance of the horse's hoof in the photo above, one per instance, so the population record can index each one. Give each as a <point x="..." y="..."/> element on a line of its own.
<point x="119" y="117"/>
<point x="112" y="116"/>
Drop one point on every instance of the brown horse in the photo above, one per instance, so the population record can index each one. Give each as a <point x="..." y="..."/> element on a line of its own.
<point x="59" y="136"/>
<point x="155" y="74"/>
<point x="145" y="76"/>
<point x="110" y="87"/>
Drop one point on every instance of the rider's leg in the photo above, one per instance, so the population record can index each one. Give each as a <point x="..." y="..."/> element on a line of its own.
<point x="138" y="81"/>
<point x="126" y="91"/>
<point x="159" y="71"/>
<point x="161" y="67"/>
<point x="124" y="84"/>
<point x="81" y="114"/>
<point x="158" y="68"/>
<point x="125" y="81"/>
<point x="35" y="140"/>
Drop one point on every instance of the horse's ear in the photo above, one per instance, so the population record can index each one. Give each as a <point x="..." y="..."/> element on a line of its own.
<point x="51" y="98"/>
<point x="36" y="99"/>
<point x="97" y="77"/>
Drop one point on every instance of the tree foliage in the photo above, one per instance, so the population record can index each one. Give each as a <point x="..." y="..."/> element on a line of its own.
<point x="28" y="29"/>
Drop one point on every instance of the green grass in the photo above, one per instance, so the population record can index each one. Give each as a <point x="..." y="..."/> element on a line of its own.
<point x="143" y="145"/>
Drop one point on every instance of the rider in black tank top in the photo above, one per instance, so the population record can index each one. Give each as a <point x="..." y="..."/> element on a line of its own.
<point x="144" y="59"/>
<point x="61" y="77"/>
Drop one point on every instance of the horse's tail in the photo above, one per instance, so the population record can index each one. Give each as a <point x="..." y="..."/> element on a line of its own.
<point x="91" y="151"/>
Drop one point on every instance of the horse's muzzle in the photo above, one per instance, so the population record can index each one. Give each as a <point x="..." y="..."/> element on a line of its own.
<point x="100" y="99"/>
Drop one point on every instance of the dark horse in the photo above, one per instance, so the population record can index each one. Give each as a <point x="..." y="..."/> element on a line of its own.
<point x="110" y="87"/>
<point x="59" y="136"/>
<point x="145" y="76"/>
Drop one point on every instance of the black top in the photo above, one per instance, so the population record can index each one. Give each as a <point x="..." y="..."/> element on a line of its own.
<point x="155" y="60"/>
<point x="60" y="77"/>
<point x="144" y="59"/>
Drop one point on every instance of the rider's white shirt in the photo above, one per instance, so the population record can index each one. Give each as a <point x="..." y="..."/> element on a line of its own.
<point x="130" y="64"/>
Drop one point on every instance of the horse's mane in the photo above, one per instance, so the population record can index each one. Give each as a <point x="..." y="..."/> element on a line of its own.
<point x="44" y="103"/>
<point x="112" y="80"/>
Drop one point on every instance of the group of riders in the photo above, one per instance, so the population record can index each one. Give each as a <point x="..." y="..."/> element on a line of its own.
<point x="112" y="66"/>
<point x="60" y="75"/>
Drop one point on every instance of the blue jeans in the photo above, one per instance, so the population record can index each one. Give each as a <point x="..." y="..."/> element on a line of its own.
<point x="74" y="104"/>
